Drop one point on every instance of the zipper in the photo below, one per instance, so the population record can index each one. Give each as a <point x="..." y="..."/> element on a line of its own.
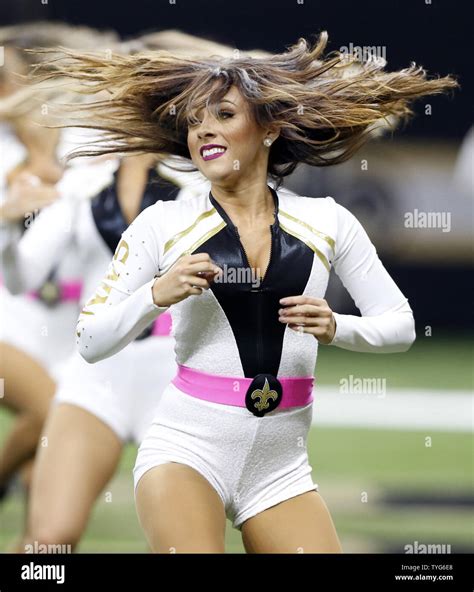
<point x="271" y="253"/>
<point x="259" y="292"/>
<point x="259" y="297"/>
<point x="246" y="259"/>
<point x="241" y="246"/>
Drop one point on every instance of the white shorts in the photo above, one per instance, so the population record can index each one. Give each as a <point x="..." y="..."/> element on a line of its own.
<point x="252" y="462"/>
<point x="122" y="391"/>
<point x="45" y="334"/>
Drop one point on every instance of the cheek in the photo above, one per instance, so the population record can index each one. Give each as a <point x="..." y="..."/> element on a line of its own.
<point x="191" y="142"/>
<point x="246" y="137"/>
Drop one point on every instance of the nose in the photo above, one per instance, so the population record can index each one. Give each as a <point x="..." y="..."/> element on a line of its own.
<point x="205" y="134"/>
<point x="205" y="128"/>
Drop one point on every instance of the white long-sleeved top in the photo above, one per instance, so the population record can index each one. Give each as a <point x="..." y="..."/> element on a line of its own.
<point x="233" y="329"/>
<point x="46" y="333"/>
<point x="28" y="258"/>
<point x="67" y="225"/>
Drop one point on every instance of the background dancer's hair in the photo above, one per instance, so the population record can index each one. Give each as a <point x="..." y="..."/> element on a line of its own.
<point x="179" y="42"/>
<point x="18" y="96"/>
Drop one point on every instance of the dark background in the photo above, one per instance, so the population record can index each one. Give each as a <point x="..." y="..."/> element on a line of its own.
<point x="433" y="35"/>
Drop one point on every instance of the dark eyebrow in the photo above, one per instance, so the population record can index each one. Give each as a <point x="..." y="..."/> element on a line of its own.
<point x="227" y="101"/>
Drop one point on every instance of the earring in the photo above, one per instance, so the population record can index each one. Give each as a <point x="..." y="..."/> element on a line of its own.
<point x="267" y="142"/>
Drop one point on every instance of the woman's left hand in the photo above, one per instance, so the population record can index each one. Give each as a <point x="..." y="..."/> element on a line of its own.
<point x="309" y="315"/>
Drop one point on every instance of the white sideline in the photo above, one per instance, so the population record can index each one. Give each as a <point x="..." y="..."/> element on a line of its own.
<point x="405" y="409"/>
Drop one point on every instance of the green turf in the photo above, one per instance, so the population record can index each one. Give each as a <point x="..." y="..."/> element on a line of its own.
<point x="392" y="458"/>
<point x="400" y="527"/>
<point x="353" y="467"/>
<point x="441" y="362"/>
<point x="348" y="465"/>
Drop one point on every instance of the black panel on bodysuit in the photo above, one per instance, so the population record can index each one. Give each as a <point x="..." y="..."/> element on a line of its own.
<point x="108" y="215"/>
<point x="252" y="311"/>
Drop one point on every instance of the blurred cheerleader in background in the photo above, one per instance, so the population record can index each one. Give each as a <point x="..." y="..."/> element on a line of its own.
<point x="36" y="328"/>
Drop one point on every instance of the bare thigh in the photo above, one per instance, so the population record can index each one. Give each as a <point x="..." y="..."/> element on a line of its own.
<point x="180" y="511"/>
<point x="28" y="386"/>
<point x="77" y="457"/>
<point x="28" y="390"/>
<point x="301" y="524"/>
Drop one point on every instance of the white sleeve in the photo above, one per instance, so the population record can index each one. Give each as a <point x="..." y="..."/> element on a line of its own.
<point x="387" y="324"/>
<point x="28" y="259"/>
<point x="122" y="306"/>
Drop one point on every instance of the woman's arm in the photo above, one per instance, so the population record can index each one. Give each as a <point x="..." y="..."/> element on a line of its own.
<point x="28" y="259"/>
<point x="123" y="306"/>
<point x="387" y="324"/>
<point x="52" y="213"/>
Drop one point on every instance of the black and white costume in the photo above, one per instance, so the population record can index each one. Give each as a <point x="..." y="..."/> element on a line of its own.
<point x="233" y="330"/>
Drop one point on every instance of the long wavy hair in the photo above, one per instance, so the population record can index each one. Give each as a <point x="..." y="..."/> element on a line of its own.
<point x="21" y="40"/>
<point x="326" y="107"/>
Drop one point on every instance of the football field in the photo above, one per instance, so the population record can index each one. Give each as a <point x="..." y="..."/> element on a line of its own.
<point x="387" y="487"/>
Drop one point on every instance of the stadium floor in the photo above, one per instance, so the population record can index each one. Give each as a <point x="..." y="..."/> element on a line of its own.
<point x="376" y="482"/>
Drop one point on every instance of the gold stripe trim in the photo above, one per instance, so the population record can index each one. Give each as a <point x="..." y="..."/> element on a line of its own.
<point x="331" y="242"/>
<point x="200" y="241"/>
<point x="172" y="241"/>
<point x="321" y="256"/>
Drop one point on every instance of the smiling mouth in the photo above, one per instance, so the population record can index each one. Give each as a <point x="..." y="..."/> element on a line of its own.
<point x="212" y="151"/>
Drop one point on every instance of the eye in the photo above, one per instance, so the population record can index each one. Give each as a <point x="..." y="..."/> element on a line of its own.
<point x="225" y="114"/>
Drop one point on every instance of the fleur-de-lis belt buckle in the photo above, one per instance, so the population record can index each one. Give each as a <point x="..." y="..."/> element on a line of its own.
<point x="49" y="293"/>
<point x="263" y="395"/>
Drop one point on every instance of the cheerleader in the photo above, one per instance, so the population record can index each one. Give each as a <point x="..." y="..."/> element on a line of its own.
<point x="38" y="322"/>
<point x="101" y="407"/>
<point x="229" y="435"/>
<point x="36" y="328"/>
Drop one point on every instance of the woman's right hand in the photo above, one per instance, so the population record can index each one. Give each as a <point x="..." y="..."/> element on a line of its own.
<point x="26" y="195"/>
<point x="190" y="275"/>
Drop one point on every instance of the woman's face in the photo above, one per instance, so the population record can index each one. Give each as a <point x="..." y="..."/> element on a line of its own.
<point x="228" y="148"/>
<point x="13" y="65"/>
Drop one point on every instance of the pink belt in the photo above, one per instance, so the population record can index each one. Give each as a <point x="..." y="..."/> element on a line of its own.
<point x="67" y="291"/>
<point x="228" y="390"/>
<point x="162" y="325"/>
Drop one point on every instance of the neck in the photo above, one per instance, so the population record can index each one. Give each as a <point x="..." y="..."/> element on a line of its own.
<point x="41" y="157"/>
<point x="247" y="203"/>
<point x="138" y="162"/>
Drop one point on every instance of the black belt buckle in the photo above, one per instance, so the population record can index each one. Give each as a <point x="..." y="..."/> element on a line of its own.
<point x="264" y="394"/>
<point x="49" y="293"/>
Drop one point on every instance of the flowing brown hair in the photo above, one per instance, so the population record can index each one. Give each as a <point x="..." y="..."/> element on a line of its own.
<point x="21" y="39"/>
<point x="325" y="107"/>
